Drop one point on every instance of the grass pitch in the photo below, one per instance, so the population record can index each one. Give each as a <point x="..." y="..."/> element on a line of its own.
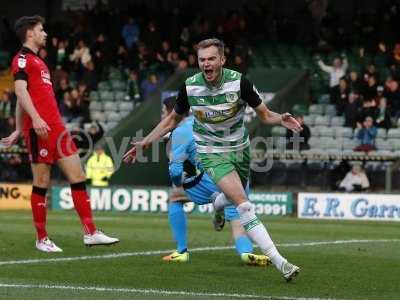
<point x="360" y="260"/>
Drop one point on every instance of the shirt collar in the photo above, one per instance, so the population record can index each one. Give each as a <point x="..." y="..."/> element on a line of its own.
<point x="28" y="50"/>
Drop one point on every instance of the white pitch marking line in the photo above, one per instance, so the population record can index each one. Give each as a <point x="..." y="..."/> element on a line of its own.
<point x="153" y="291"/>
<point x="200" y="249"/>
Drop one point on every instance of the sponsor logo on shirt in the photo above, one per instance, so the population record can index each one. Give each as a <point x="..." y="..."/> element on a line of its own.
<point x="45" y="77"/>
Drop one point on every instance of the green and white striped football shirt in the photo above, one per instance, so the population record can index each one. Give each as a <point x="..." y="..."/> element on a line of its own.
<point x="218" y="111"/>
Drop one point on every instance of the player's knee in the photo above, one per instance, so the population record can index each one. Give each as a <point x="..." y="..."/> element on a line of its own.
<point x="246" y="208"/>
<point x="41" y="180"/>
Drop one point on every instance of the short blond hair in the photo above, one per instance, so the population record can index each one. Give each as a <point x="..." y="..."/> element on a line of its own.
<point x="212" y="42"/>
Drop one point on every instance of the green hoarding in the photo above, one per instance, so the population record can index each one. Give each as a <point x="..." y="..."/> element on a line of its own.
<point x="129" y="199"/>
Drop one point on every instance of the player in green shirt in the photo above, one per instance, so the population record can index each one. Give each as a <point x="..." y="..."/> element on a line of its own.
<point x="218" y="98"/>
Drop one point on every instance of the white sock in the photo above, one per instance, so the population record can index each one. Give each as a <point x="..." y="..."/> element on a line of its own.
<point x="220" y="201"/>
<point x="259" y="234"/>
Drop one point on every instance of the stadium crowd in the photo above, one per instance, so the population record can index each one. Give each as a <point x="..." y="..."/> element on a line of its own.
<point x="146" y="45"/>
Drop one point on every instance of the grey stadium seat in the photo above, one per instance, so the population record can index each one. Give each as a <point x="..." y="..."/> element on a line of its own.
<point x="383" y="145"/>
<point x="126" y="106"/>
<point x="98" y="116"/>
<point x="309" y="120"/>
<point x="327" y="132"/>
<point x="344" y="132"/>
<point x="96" y="105"/>
<point x="111" y="106"/>
<point x="113" y="117"/>
<point x="393" y="133"/>
<point x="382" y="134"/>
<point x="322" y="121"/>
<point x="330" y="110"/>
<point x="106" y="96"/>
<point x="316" y="109"/>
<point x="337" y="121"/>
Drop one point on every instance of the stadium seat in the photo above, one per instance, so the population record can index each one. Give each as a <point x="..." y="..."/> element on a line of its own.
<point x="383" y="145"/>
<point x="326" y="132"/>
<point x="118" y="85"/>
<point x="120" y="95"/>
<point x="322" y="121"/>
<point x="110" y="106"/>
<point x="330" y="110"/>
<point x="395" y="143"/>
<point x="126" y="106"/>
<point x="349" y="144"/>
<point x="344" y="132"/>
<point x="300" y="109"/>
<point x="113" y="117"/>
<point x="316" y="109"/>
<point x="278" y="131"/>
<point x="393" y="133"/>
<point x="96" y="105"/>
<point x="110" y="125"/>
<point x="337" y="121"/>
<point x="280" y="143"/>
<point x="324" y="99"/>
<point x="309" y="120"/>
<point x="94" y="96"/>
<point x="103" y="86"/>
<point x="382" y="134"/>
<point x="106" y="96"/>
<point x="98" y="116"/>
<point x="124" y="113"/>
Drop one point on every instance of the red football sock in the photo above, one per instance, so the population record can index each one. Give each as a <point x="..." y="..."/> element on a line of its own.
<point x="82" y="206"/>
<point x="39" y="210"/>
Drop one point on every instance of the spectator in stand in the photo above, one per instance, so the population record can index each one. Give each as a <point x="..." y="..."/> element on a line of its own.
<point x="152" y="39"/>
<point x="63" y="88"/>
<point x="133" y="91"/>
<point x="85" y="140"/>
<point x="192" y="61"/>
<point x="130" y="33"/>
<point x="336" y="71"/>
<point x="371" y="72"/>
<point x="149" y="85"/>
<point x="8" y="101"/>
<point x="81" y="55"/>
<point x="370" y="87"/>
<point x="100" y="54"/>
<point x="239" y="64"/>
<point x="355" y="180"/>
<point x="382" y="115"/>
<point x="84" y="101"/>
<point x="303" y="136"/>
<point x="90" y="76"/>
<point x="366" y="136"/>
<point x="123" y="58"/>
<point x="355" y="83"/>
<point x="8" y="127"/>
<point x="340" y="95"/>
<point x="392" y="94"/>
<point x="61" y="59"/>
<point x="13" y="169"/>
<point x="352" y="109"/>
<point x="368" y="108"/>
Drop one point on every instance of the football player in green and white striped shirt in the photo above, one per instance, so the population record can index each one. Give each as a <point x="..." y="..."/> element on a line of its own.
<point x="218" y="98"/>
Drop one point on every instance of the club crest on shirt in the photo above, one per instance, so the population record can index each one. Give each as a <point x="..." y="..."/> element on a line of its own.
<point x="21" y="62"/>
<point x="231" y="97"/>
<point x="43" y="152"/>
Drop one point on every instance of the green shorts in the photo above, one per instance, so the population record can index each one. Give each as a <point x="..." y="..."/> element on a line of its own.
<point x="217" y="165"/>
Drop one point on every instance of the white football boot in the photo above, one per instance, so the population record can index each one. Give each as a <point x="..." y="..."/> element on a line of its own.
<point x="47" y="245"/>
<point x="98" y="238"/>
<point x="289" y="271"/>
